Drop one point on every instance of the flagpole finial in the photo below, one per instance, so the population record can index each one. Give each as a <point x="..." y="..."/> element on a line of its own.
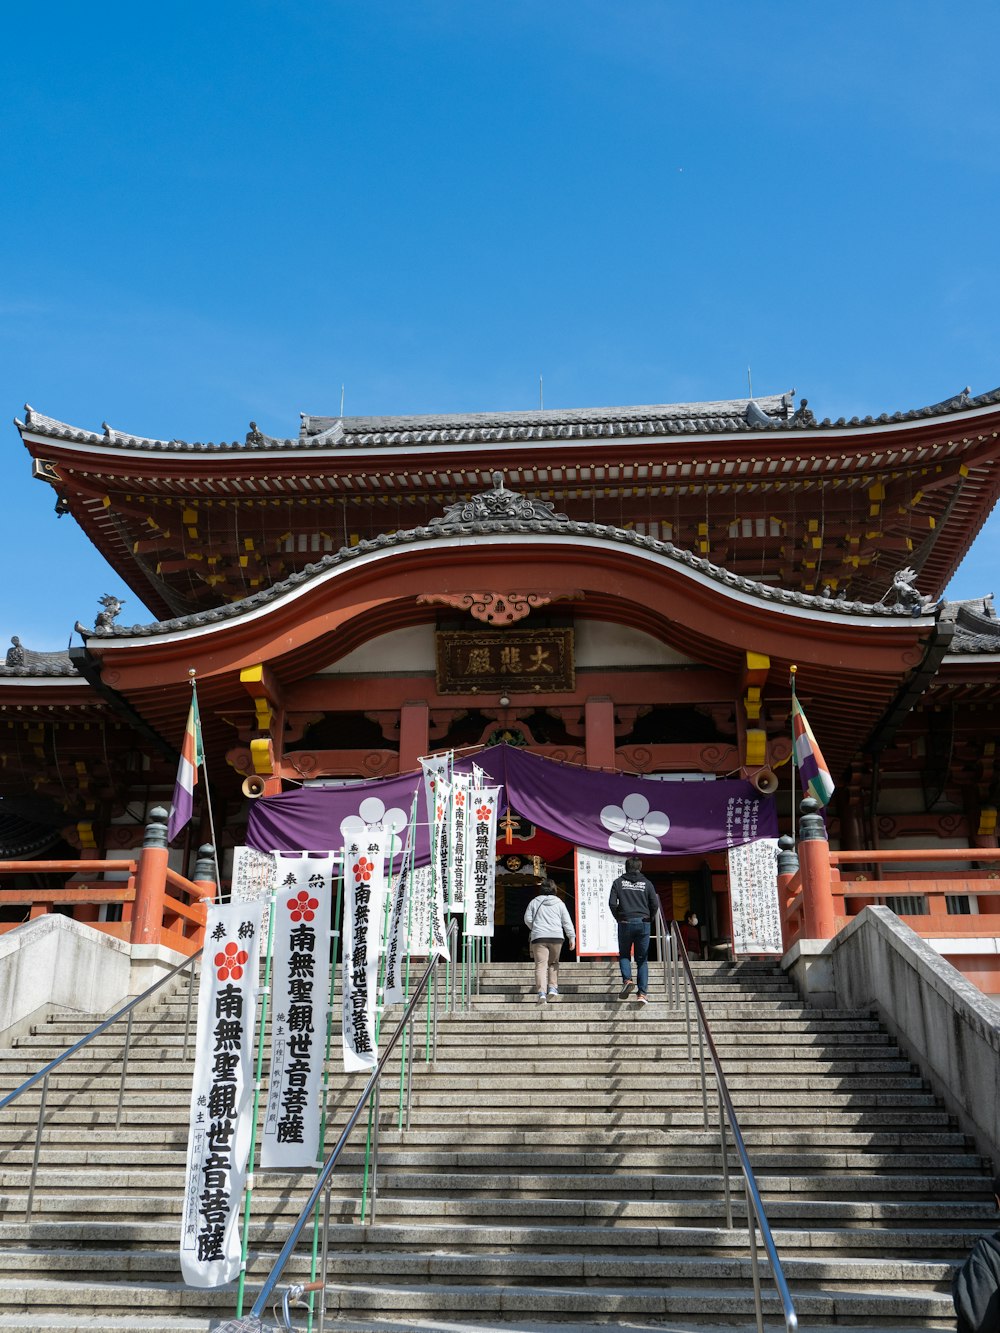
<point x="792" y="670"/>
<point x="192" y="673"/>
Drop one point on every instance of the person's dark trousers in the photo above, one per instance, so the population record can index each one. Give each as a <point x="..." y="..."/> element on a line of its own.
<point x="633" y="936"/>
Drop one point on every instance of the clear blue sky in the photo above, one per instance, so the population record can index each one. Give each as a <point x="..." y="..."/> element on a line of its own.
<point x="223" y="211"/>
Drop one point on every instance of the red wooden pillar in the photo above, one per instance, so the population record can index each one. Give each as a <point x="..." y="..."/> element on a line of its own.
<point x="414" y="734"/>
<point x="151" y="881"/>
<point x="599" y="732"/>
<point x="814" y="858"/>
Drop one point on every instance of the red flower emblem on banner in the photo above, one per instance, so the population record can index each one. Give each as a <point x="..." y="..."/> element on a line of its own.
<point x="363" y="870"/>
<point x="460" y="798"/>
<point x="302" y="907"/>
<point x="230" y="962"/>
<point x="483" y="813"/>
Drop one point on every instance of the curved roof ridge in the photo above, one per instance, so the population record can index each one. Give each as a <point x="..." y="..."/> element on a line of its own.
<point x="772" y="412"/>
<point x="550" y="525"/>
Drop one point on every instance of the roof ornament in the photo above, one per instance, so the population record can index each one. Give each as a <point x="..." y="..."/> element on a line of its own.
<point x="105" y="621"/>
<point x="498" y="506"/>
<point x="254" y="435"/>
<point x="15" y="653"/>
<point x="906" y="594"/>
<point x="804" y="414"/>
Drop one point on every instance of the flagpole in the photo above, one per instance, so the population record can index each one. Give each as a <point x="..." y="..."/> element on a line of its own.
<point x="192" y="674"/>
<point x="791" y="680"/>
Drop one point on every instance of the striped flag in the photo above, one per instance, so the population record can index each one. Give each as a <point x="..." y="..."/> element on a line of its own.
<point x="192" y="757"/>
<point x="813" y="772"/>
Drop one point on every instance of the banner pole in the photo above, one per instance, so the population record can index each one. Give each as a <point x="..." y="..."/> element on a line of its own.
<point x="334" y="940"/>
<point x="406" y="879"/>
<point x="379" y="1010"/>
<point x="208" y="790"/>
<point x="791" y="680"/>
<point x="258" y="1074"/>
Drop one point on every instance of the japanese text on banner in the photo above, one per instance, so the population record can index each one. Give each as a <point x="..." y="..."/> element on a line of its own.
<point x="300" y="990"/>
<point x="221" y="1096"/>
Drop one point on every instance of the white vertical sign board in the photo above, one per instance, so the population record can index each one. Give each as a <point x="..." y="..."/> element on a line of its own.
<point x="753" y="892"/>
<point x="596" y="928"/>
<point x="364" y="905"/>
<point x="253" y="879"/>
<point x="396" y="951"/>
<point x="480" y="909"/>
<point x="221" y="1096"/>
<point x="300" y="1004"/>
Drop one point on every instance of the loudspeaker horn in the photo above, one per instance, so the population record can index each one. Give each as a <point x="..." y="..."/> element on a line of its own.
<point x="765" y="781"/>
<point x="253" y="786"/>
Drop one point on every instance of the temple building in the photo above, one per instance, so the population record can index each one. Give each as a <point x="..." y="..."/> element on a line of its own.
<point x="624" y="588"/>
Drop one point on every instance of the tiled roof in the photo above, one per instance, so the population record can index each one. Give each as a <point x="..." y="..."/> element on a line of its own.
<point x="21" y="661"/>
<point x="502" y="512"/>
<point x="977" y="629"/>
<point x="774" y="412"/>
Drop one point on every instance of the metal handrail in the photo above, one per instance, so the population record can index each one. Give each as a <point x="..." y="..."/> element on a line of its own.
<point x="755" y="1205"/>
<point x="370" y="1088"/>
<point x="42" y="1075"/>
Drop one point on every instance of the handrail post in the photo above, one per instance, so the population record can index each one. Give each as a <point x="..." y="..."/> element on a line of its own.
<point x="701" y="1062"/>
<point x="754" y="1262"/>
<point x="725" y="1162"/>
<point x="38" y="1147"/>
<point x="121" y="1081"/>
<point x="151" y="881"/>
<point x="378" y="1089"/>
<point x="187" y="1013"/>
<point x="325" y="1252"/>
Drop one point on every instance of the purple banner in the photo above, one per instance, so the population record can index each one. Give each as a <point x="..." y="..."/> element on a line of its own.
<point x="605" y="812"/>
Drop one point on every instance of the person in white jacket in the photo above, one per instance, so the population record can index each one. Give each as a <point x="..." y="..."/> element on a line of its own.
<point x="549" y="922"/>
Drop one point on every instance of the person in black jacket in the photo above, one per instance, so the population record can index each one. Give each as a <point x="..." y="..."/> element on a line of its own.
<point x="975" y="1288"/>
<point x="633" y="904"/>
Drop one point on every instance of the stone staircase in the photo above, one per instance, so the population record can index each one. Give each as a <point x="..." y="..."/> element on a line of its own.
<point x="556" y="1172"/>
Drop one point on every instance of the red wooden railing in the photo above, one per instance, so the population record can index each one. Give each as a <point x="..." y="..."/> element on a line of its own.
<point x="158" y="906"/>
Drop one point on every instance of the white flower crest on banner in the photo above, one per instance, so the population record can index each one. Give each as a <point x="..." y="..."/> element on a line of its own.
<point x="373" y="817"/>
<point x="635" y="828"/>
<point x="300" y="989"/>
<point x="221" y="1096"/>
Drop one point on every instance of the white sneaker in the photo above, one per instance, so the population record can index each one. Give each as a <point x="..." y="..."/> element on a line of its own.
<point x="540" y="998"/>
<point x="553" y="993"/>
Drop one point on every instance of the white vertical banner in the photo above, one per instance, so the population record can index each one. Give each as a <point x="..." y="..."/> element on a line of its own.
<point x="253" y="880"/>
<point x="437" y="798"/>
<point x="482" y="862"/>
<point x="753" y="892"/>
<point x="421" y="909"/>
<point x="461" y="828"/>
<point x="596" y="928"/>
<point x="364" y="905"/>
<point x="221" y="1096"/>
<point x="396" y="946"/>
<point x="300" y="1002"/>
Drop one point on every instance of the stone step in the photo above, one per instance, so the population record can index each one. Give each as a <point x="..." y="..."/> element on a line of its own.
<point x="495" y="1301"/>
<point x="64" y="1146"/>
<point x="611" y="1162"/>
<point x="502" y="1262"/>
<point x="943" y="1244"/>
